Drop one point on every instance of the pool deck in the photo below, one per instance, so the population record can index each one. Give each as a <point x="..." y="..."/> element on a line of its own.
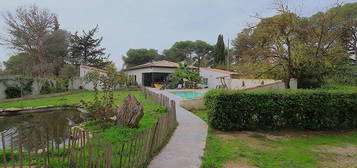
<point x="186" y="147"/>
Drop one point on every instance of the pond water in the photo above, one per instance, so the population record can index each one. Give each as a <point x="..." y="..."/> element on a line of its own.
<point x="188" y="95"/>
<point x="34" y="127"/>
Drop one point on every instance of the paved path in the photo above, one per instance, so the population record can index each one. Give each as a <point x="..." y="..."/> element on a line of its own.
<point x="187" y="144"/>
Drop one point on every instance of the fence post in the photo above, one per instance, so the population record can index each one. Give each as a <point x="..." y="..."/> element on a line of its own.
<point x="152" y="141"/>
<point x="3" y="149"/>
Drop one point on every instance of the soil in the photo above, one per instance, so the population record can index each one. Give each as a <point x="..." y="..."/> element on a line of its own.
<point x="338" y="156"/>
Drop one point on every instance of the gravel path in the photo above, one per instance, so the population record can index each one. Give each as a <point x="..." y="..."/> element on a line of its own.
<point x="187" y="144"/>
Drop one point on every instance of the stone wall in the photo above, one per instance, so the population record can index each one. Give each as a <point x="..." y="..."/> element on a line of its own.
<point x="11" y="81"/>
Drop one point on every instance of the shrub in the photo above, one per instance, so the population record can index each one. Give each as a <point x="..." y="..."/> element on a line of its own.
<point x="47" y="87"/>
<point x="13" y="92"/>
<point x="298" y="109"/>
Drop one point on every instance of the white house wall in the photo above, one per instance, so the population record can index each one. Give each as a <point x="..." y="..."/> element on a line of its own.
<point x="212" y="76"/>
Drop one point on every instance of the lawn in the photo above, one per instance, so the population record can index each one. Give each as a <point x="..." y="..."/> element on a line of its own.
<point x="115" y="134"/>
<point x="280" y="149"/>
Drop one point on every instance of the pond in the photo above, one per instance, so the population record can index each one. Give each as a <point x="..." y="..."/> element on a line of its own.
<point x="32" y="128"/>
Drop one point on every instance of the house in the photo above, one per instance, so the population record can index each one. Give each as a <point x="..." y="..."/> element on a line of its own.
<point x="159" y="71"/>
<point x="152" y="72"/>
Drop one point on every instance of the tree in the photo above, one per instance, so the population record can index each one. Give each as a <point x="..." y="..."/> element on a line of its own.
<point x="278" y="36"/>
<point x="219" y="51"/>
<point x="56" y="47"/>
<point x="328" y="56"/>
<point x="102" y="108"/>
<point x="27" y="30"/>
<point x="69" y="71"/>
<point x="181" y="51"/>
<point x="203" y="54"/>
<point x="85" y="49"/>
<point x="190" y="77"/>
<point x="139" y="56"/>
<point x="287" y="46"/>
<point x="56" y="24"/>
<point x="346" y="16"/>
<point x="20" y="64"/>
<point x="196" y="53"/>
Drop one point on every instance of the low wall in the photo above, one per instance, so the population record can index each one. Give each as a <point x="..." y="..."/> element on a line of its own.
<point x="13" y="80"/>
<point x="240" y="84"/>
<point x="277" y="85"/>
<point x="198" y="103"/>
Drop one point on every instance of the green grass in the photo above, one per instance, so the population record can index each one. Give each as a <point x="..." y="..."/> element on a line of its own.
<point x="114" y="133"/>
<point x="71" y="99"/>
<point x="256" y="149"/>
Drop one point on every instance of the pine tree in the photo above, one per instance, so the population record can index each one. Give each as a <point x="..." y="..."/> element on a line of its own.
<point x="86" y="49"/>
<point x="56" y="25"/>
<point x="219" y="51"/>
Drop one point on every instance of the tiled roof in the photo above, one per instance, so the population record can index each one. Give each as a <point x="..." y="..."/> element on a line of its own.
<point x="220" y="71"/>
<point x="163" y="63"/>
<point x="92" y="68"/>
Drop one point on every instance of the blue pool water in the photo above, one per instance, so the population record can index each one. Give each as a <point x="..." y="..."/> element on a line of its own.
<point x="189" y="95"/>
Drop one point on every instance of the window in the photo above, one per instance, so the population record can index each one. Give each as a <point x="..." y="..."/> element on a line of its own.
<point x="205" y="81"/>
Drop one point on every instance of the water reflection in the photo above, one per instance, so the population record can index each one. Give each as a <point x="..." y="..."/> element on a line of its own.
<point x="35" y="129"/>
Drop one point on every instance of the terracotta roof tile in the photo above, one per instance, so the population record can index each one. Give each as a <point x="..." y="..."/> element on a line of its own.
<point x="220" y="71"/>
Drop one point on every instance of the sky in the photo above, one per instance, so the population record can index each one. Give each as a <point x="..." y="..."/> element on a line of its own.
<point x="158" y="24"/>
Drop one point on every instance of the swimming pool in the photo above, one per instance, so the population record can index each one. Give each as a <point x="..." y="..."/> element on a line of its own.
<point x="189" y="95"/>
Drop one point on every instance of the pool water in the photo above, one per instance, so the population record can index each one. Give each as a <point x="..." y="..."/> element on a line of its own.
<point x="188" y="95"/>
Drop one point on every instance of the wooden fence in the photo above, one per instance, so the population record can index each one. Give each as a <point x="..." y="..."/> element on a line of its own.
<point x="81" y="149"/>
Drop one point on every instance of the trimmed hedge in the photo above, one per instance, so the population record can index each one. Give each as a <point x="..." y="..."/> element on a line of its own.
<point x="268" y="110"/>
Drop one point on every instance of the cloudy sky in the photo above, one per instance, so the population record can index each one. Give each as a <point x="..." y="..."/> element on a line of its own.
<point x="158" y="24"/>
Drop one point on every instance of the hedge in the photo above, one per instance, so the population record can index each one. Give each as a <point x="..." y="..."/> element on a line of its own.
<point x="269" y="110"/>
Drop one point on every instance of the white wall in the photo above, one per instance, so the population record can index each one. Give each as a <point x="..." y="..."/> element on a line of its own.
<point x="234" y="84"/>
<point x="279" y="85"/>
<point x="240" y="84"/>
<point x="82" y="74"/>
<point x="212" y="76"/>
<point x="138" y="72"/>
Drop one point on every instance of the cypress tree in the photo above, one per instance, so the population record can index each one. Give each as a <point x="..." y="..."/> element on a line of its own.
<point x="219" y="51"/>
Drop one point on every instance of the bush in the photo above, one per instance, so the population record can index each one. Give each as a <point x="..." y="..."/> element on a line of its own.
<point x="12" y="92"/>
<point x="47" y="88"/>
<point x="298" y="109"/>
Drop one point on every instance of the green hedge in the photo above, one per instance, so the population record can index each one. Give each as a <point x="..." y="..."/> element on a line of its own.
<point x="268" y="110"/>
